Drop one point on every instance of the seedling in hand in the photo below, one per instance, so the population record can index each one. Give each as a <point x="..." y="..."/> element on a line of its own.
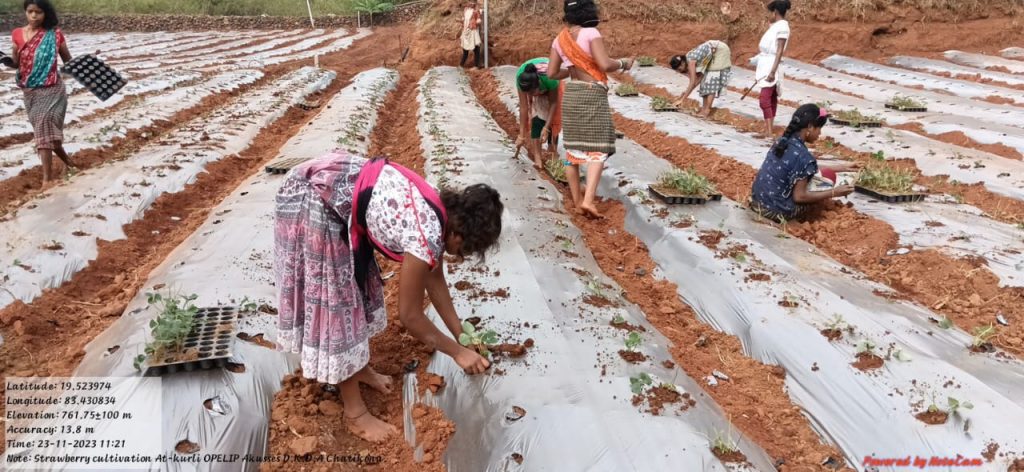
<point x="478" y="340"/>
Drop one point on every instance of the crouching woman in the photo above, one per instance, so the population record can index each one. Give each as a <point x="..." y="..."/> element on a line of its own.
<point x="332" y="214"/>
<point x="781" y="190"/>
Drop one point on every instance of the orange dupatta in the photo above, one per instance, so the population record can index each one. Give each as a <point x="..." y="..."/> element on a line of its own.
<point x="579" y="58"/>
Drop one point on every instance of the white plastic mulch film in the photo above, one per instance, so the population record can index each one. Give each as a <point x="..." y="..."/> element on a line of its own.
<point x="227" y="260"/>
<point x="56" y="235"/>
<point x="939" y="222"/>
<point x="577" y="417"/>
<point x="863" y="413"/>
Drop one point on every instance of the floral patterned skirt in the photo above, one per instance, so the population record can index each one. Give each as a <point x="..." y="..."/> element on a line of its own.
<point x="322" y="313"/>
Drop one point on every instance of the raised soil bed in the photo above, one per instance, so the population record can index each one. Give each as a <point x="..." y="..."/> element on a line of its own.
<point x="891" y="197"/>
<point x="675" y="199"/>
<point x="208" y="346"/>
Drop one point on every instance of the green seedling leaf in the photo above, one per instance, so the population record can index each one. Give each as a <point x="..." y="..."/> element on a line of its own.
<point x="638" y="383"/>
<point x="465" y="340"/>
<point x="489" y="338"/>
<point x="619" y="319"/>
<point x="633" y="341"/>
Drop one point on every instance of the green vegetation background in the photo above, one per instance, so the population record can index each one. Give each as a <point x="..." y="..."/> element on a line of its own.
<point x="194" y="7"/>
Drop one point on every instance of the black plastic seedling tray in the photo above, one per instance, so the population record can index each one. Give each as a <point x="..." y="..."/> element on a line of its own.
<point x="212" y="336"/>
<point x="907" y="109"/>
<point x="282" y="166"/>
<point x="866" y="124"/>
<point x="666" y="109"/>
<point x="683" y="199"/>
<point x="95" y="75"/>
<point x="630" y="94"/>
<point x="891" y="197"/>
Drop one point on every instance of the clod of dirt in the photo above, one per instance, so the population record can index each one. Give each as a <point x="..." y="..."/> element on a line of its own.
<point x="626" y="326"/>
<point x="983" y="348"/>
<point x="658" y="397"/>
<point x="236" y="367"/>
<point x="867" y="361"/>
<point x="990" y="452"/>
<point x="711" y="238"/>
<point x="1016" y="466"/>
<point x="79" y="233"/>
<point x="735" y="457"/>
<point x="668" y="364"/>
<point x="632" y="357"/>
<point x="517" y="457"/>
<point x="815" y="368"/>
<point x="932" y="417"/>
<point x="516" y="414"/>
<point x="258" y="340"/>
<point x="264" y="308"/>
<point x="113" y="349"/>
<point x="463" y="285"/>
<point x="53" y="246"/>
<point x="473" y="320"/>
<point x="933" y="224"/>
<point x="186" y="447"/>
<point x="329" y="408"/>
<point x="303" y="446"/>
<point x="758" y="277"/>
<point x="832" y="334"/>
<point x="598" y="301"/>
<point x="788" y="303"/>
<point x="435" y="383"/>
<point x="511" y="350"/>
<point x="528" y="343"/>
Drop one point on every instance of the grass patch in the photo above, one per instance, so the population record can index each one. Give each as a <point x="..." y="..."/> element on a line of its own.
<point x="885" y="178"/>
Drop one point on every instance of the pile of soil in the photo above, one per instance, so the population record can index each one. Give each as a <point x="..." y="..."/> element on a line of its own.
<point x="632" y="357"/>
<point x="658" y="398"/>
<point x="711" y="238"/>
<point x="932" y="417"/>
<point x="625" y="326"/>
<point x="866" y="361"/>
<point x="735" y="457"/>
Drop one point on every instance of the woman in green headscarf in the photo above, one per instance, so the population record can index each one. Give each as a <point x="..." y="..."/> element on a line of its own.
<point x="540" y="108"/>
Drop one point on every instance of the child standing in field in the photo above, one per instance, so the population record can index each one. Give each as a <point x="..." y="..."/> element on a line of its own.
<point x="36" y="49"/>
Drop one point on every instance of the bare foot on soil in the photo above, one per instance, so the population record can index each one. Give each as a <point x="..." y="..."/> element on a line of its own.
<point x="370" y="428"/>
<point x="591" y="212"/>
<point x="377" y="381"/>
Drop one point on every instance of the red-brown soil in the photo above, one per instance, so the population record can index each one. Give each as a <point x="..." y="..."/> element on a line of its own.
<point x="755" y="399"/>
<point x="958" y="138"/>
<point x="632" y="357"/>
<point x="932" y="417"/>
<point x="832" y="334"/>
<point x="866" y="361"/>
<point x="735" y="457"/>
<point x="659" y="398"/>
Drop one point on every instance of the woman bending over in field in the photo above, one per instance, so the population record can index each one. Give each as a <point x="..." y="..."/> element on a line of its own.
<point x="332" y="214"/>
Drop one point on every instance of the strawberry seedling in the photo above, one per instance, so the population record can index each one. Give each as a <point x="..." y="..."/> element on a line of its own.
<point x="640" y="382"/>
<point x="478" y="340"/>
<point x="633" y="341"/>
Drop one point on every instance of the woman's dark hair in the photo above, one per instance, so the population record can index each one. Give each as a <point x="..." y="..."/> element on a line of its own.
<point x="50" y="19"/>
<point x="475" y="214"/>
<point x="806" y="115"/>
<point x="781" y="6"/>
<point x="581" y="13"/>
<point x="678" y="61"/>
<point x="529" y="80"/>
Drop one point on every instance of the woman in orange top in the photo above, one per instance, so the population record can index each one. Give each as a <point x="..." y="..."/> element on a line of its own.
<point x="579" y="53"/>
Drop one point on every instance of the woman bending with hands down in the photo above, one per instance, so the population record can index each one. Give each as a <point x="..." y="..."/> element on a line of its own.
<point x="540" y="109"/>
<point x="780" y="190"/>
<point x="332" y="213"/>
<point x="37" y="46"/>
<point x="588" y="133"/>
